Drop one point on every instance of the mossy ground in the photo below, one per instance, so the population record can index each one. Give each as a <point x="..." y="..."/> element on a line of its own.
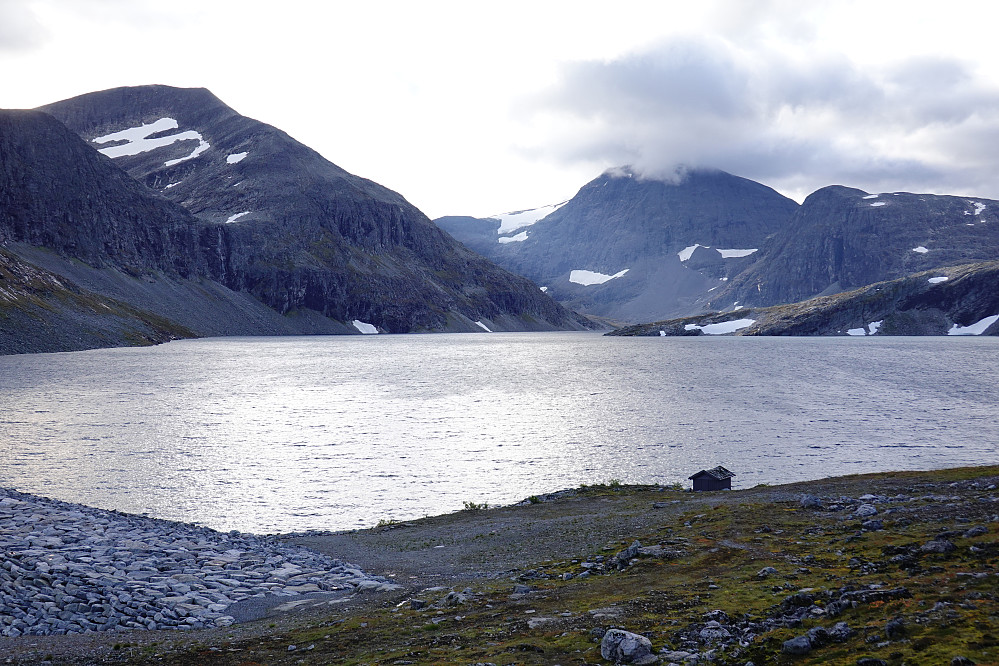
<point x="716" y="545"/>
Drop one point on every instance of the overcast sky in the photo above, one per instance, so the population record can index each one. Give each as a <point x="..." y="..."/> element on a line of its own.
<point x="486" y="107"/>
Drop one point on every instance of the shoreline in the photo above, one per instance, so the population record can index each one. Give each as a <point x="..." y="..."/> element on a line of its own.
<point x="459" y="565"/>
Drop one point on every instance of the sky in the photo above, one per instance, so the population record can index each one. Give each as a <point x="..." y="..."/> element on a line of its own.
<point x="475" y="108"/>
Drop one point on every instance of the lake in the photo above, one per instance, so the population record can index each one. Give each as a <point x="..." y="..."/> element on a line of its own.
<point x="297" y="433"/>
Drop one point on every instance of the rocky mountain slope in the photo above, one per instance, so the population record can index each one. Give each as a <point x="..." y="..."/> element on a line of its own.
<point x="843" y="238"/>
<point x="633" y="248"/>
<point x="222" y="207"/>
<point x="959" y="300"/>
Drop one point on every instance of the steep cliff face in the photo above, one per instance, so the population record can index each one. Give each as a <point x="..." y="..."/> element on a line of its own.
<point x="956" y="300"/>
<point x="844" y="238"/>
<point x="57" y="192"/>
<point x="274" y="219"/>
<point x="633" y="248"/>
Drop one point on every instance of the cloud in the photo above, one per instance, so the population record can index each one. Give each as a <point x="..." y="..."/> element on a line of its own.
<point x="20" y="29"/>
<point x="794" y="120"/>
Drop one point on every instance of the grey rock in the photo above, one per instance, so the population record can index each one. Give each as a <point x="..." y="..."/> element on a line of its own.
<point x="766" y="572"/>
<point x="810" y="502"/>
<point x="624" y="647"/>
<point x="798" y="645"/>
<point x="895" y="629"/>
<point x="865" y="511"/>
<point x="961" y="661"/>
<point x="939" y="546"/>
<point x="976" y="531"/>
<point x="872" y="525"/>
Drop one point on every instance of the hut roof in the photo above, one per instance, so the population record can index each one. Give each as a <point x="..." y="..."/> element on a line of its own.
<point x="719" y="473"/>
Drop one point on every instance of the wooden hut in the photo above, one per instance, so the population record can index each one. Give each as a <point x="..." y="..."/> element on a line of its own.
<point x="717" y="478"/>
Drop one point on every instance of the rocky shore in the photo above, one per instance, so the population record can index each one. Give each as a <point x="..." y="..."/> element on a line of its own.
<point x="67" y="568"/>
<point x="887" y="569"/>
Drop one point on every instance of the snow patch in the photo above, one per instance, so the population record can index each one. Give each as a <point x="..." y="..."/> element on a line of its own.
<point x="523" y="218"/>
<point x="137" y="140"/>
<point x="977" y="328"/>
<point x="878" y="203"/>
<point x="938" y="280"/>
<point x="979" y="207"/>
<point x="483" y="327"/>
<point x="365" y="328"/>
<point x="233" y="218"/>
<point x="544" y="289"/>
<point x="522" y="236"/>
<point x="172" y="185"/>
<point x="721" y="328"/>
<point x="870" y="196"/>
<point x="662" y="333"/>
<point x="588" y="278"/>
<point x="734" y="254"/>
<point x="235" y="158"/>
<point x="687" y="252"/>
<point x="857" y="331"/>
<point x="920" y="250"/>
<point x="874" y="326"/>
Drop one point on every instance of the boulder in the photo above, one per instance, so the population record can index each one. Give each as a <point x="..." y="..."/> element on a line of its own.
<point x="798" y="645"/>
<point x="865" y="511"/>
<point x="940" y="546"/>
<point x="810" y="502"/>
<point x="624" y="647"/>
<point x="895" y="629"/>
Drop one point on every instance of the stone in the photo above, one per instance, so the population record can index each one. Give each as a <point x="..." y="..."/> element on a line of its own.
<point x="961" y="661"/>
<point x="976" y="531"/>
<point x="713" y="631"/>
<point x="810" y="502"/>
<point x="871" y="661"/>
<point x="841" y="632"/>
<point x="939" y="546"/>
<point x="895" y="629"/>
<point x="872" y="525"/>
<point x="798" y="645"/>
<point x="766" y="572"/>
<point x="865" y="511"/>
<point x="624" y="647"/>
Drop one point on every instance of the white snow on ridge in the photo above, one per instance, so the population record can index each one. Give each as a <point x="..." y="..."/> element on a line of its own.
<point x="878" y="203"/>
<point x="733" y="254"/>
<point x="977" y="328"/>
<point x="235" y="158"/>
<point x="365" y="328"/>
<point x="687" y="252"/>
<point x="721" y="328"/>
<point x="938" y="280"/>
<point x="483" y="327"/>
<point x="920" y="250"/>
<point x="588" y="278"/>
<point x="870" y="196"/>
<point x="138" y="141"/>
<point x="523" y="218"/>
<point x="233" y="218"/>
<point x="522" y="236"/>
<point x="979" y="207"/>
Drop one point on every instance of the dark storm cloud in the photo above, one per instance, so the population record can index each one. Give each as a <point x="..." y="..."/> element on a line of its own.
<point x="793" y="121"/>
<point x="20" y="30"/>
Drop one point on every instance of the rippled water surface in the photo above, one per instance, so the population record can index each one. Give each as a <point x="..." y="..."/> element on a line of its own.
<point x="282" y="434"/>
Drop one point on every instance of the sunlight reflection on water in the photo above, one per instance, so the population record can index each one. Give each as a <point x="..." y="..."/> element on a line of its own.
<point x="279" y="434"/>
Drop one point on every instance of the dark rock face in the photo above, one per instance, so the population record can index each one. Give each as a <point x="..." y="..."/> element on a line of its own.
<point x="57" y="192"/>
<point x="843" y="238"/>
<point x="959" y="300"/>
<point x="212" y="206"/>
<point x="621" y="221"/>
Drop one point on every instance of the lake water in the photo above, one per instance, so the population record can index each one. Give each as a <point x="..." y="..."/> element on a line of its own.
<point x="287" y="434"/>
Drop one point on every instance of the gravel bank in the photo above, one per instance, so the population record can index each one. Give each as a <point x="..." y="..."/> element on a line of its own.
<point x="67" y="568"/>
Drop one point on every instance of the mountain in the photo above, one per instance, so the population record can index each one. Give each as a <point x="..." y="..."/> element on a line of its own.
<point x="843" y="238"/>
<point x="633" y="248"/>
<point x="225" y="225"/>
<point x="959" y="300"/>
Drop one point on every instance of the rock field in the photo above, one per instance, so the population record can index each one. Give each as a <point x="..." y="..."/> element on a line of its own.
<point x="67" y="568"/>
